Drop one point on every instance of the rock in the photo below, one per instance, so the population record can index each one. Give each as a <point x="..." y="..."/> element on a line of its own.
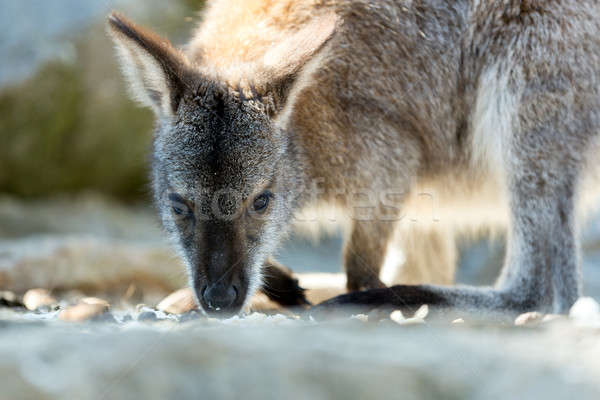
<point x="397" y="316"/>
<point x="260" y="302"/>
<point x="528" y="318"/>
<point x="586" y="312"/>
<point x="47" y="309"/>
<point x="82" y="312"/>
<point x="585" y="307"/>
<point x="189" y="316"/>
<point x="411" y="321"/>
<point x="145" y="313"/>
<point x="141" y="308"/>
<point x="422" y="312"/>
<point x="360" y="317"/>
<point x="147" y="316"/>
<point x="127" y="318"/>
<point x="106" y="317"/>
<point x="255" y="317"/>
<point x="553" y="318"/>
<point x="35" y="298"/>
<point x="178" y="302"/>
<point x="95" y="300"/>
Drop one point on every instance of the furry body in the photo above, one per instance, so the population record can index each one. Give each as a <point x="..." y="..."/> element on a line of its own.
<point x="486" y="111"/>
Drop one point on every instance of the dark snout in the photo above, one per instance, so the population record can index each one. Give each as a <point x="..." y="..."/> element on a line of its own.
<point x="222" y="285"/>
<point x="222" y="299"/>
<point x="220" y="296"/>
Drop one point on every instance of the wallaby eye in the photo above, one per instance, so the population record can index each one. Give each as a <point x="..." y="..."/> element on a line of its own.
<point x="261" y="202"/>
<point x="178" y="205"/>
<point x="178" y="210"/>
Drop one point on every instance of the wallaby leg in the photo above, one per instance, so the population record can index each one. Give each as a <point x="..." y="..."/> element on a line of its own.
<point x="364" y="256"/>
<point x="541" y="269"/>
<point x="430" y="256"/>
<point x="280" y="285"/>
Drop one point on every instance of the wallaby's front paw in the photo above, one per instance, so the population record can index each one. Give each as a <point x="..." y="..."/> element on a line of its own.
<point x="287" y="292"/>
<point x="280" y="285"/>
<point x="406" y="298"/>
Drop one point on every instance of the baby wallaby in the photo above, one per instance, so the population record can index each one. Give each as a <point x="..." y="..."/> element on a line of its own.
<point x="490" y="109"/>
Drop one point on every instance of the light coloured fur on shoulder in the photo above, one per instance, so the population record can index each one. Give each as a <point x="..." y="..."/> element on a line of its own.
<point x="243" y="41"/>
<point x="236" y="32"/>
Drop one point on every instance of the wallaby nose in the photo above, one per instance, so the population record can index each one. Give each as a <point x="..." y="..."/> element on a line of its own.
<point x="220" y="296"/>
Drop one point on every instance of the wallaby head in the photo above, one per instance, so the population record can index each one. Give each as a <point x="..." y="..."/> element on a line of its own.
<point x="226" y="175"/>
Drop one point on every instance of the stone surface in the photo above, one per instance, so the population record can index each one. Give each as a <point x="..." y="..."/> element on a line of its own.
<point x="586" y="311"/>
<point x="178" y="302"/>
<point x="36" y="298"/>
<point x="529" y="318"/>
<point x="82" y="312"/>
<point x="422" y="312"/>
<point x="96" y="301"/>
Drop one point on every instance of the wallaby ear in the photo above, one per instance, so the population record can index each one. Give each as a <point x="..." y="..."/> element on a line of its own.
<point x="156" y="71"/>
<point x="290" y="63"/>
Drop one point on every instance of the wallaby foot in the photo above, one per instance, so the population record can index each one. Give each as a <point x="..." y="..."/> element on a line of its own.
<point x="280" y="285"/>
<point x="408" y="298"/>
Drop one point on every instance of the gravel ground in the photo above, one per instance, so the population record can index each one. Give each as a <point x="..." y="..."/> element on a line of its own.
<point x="275" y="357"/>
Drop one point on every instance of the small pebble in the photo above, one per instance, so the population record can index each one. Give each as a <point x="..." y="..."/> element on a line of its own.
<point x="35" y="298"/>
<point x="397" y="316"/>
<point x="458" y="321"/>
<point x="141" y="307"/>
<point x="189" y="316"/>
<point x="106" y="317"/>
<point x="47" y="309"/>
<point x="422" y="312"/>
<point x="528" y="318"/>
<point x="411" y="321"/>
<point x="178" y="302"/>
<point x="552" y="317"/>
<point x="127" y="318"/>
<point x="95" y="300"/>
<point x="585" y="308"/>
<point x="586" y="312"/>
<point x="82" y="312"/>
<point x="361" y="317"/>
<point x="147" y="316"/>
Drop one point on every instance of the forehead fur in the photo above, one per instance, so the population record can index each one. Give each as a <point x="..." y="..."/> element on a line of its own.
<point x="217" y="141"/>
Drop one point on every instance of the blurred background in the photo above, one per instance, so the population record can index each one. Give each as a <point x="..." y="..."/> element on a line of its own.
<point x="75" y="211"/>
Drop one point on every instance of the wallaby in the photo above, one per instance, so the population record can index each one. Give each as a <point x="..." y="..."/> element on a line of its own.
<point x="489" y="107"/>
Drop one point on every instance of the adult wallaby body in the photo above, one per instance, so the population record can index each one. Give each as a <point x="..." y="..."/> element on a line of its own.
<point x="491" y="108"/>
